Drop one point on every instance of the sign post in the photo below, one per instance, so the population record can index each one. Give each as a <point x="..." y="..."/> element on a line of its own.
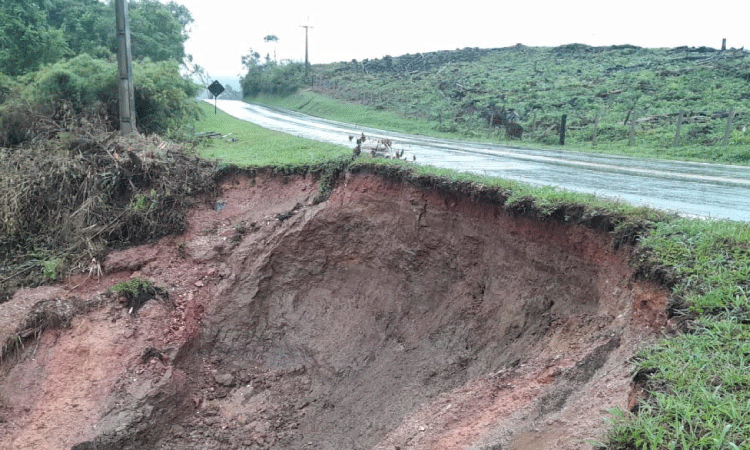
<point x="215" y="89"/>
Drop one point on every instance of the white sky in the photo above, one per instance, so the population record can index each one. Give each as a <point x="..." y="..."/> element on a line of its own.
<point x="224" y="30"/>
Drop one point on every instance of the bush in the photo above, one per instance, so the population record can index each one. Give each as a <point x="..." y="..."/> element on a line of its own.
<point x="272" y="78"/>
<point x="61" y="85"/>
<point x="6" y="87"/>
<point x="163" y="99"/>
<point x="88" y="87"/>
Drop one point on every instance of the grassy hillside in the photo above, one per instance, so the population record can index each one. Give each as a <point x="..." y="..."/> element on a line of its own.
<point x="621" y="99"/>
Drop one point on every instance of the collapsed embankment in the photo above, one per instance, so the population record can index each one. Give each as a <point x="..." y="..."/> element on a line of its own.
<point x="391" y="316"/>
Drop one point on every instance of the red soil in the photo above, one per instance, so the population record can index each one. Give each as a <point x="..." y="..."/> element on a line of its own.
<point x="389" y="317"/>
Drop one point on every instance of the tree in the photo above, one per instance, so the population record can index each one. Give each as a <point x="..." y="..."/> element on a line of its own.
<point x="270" y="78"/>
<point x="38" y="32"/>
<point x="26" y="39"/>
<point x="272" y="38"/>
<point x="158" y="32"/>
<point x="86" y="24"/>
<point x="64" y="50"/>
<point x="194" y="71"/>
<point x="251" y="82"/>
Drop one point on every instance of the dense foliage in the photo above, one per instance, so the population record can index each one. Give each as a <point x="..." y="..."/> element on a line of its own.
<point x="87" y="87"/>
<point x="57" y="58"/>
<point x="37" y="32"/>
<point x="270" y="77"/>
<point x="27" y="40"/>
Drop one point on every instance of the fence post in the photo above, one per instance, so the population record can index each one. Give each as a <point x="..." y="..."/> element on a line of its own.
<point x="676" y="142"/>
<point x="596" y="129"/>
<point x="562" y="128"/>
<point x="631" y="134"/>
<point x="728" y="130"/>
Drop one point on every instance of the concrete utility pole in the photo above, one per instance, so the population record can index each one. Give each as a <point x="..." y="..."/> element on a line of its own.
<point x="125" y="69"/>
<point x="307" y="60"/>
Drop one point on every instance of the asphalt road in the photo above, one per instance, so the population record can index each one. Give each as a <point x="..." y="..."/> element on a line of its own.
<point x="695" y="189"/>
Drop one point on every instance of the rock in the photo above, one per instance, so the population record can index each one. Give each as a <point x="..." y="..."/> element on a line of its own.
<point x="225" y="379"/>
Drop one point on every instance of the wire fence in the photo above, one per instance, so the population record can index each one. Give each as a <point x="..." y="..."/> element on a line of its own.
<point x="631" y="126"/>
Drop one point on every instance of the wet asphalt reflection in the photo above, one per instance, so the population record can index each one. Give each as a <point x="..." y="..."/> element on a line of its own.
<point x="695" y="189"/>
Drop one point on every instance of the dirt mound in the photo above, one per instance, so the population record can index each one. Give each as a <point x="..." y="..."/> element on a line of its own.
<point x="388" y="317"/>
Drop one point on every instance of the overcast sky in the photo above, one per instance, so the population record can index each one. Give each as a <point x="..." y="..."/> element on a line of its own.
<point x="224" y="30"/>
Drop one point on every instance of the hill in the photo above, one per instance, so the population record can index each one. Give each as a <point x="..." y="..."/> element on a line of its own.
<point x="686" y="103"/>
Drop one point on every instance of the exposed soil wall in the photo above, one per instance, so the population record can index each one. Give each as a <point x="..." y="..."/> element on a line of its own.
<point x="388" y="317"/>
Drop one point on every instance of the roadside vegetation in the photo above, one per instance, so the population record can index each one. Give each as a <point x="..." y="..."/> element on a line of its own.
<point x="620" y="100"/>
<point x="697" y="380"/>
<point x="71" y="187"/>
<point x="57" y="62"/>
<point x="221" y="137"/>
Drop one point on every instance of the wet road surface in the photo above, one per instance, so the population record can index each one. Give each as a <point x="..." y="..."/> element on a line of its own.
<point x="695" y="189"/>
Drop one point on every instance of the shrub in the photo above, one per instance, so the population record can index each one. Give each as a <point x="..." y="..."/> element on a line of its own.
<point x="163" y="98"/>
<point x="273" y="78"/>
<point x="6" y="86"/>
<point x="136" y="292"/>
<point x="85" y="86"/>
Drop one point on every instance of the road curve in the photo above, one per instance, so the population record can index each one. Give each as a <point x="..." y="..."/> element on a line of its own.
<point x="695" y="189"/>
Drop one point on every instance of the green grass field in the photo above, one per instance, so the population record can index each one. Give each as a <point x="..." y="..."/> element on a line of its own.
<point x="248" y="145"/>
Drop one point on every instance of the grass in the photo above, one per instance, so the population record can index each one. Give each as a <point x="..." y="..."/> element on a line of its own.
<point x="697" y="380"/>
<point x="318" y="105"/>
<point x="249" y="145"/>
<point x="136" y="292"/>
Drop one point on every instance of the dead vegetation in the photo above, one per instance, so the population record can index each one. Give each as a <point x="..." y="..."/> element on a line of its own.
<point x="77" y="189"/>
<point x="378" y="147"/>
<point x="45" y="314"/>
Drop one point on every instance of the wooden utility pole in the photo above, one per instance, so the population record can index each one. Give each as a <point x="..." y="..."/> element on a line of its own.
<point x="125" y="68"/>
<point x="307" y="59"/>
